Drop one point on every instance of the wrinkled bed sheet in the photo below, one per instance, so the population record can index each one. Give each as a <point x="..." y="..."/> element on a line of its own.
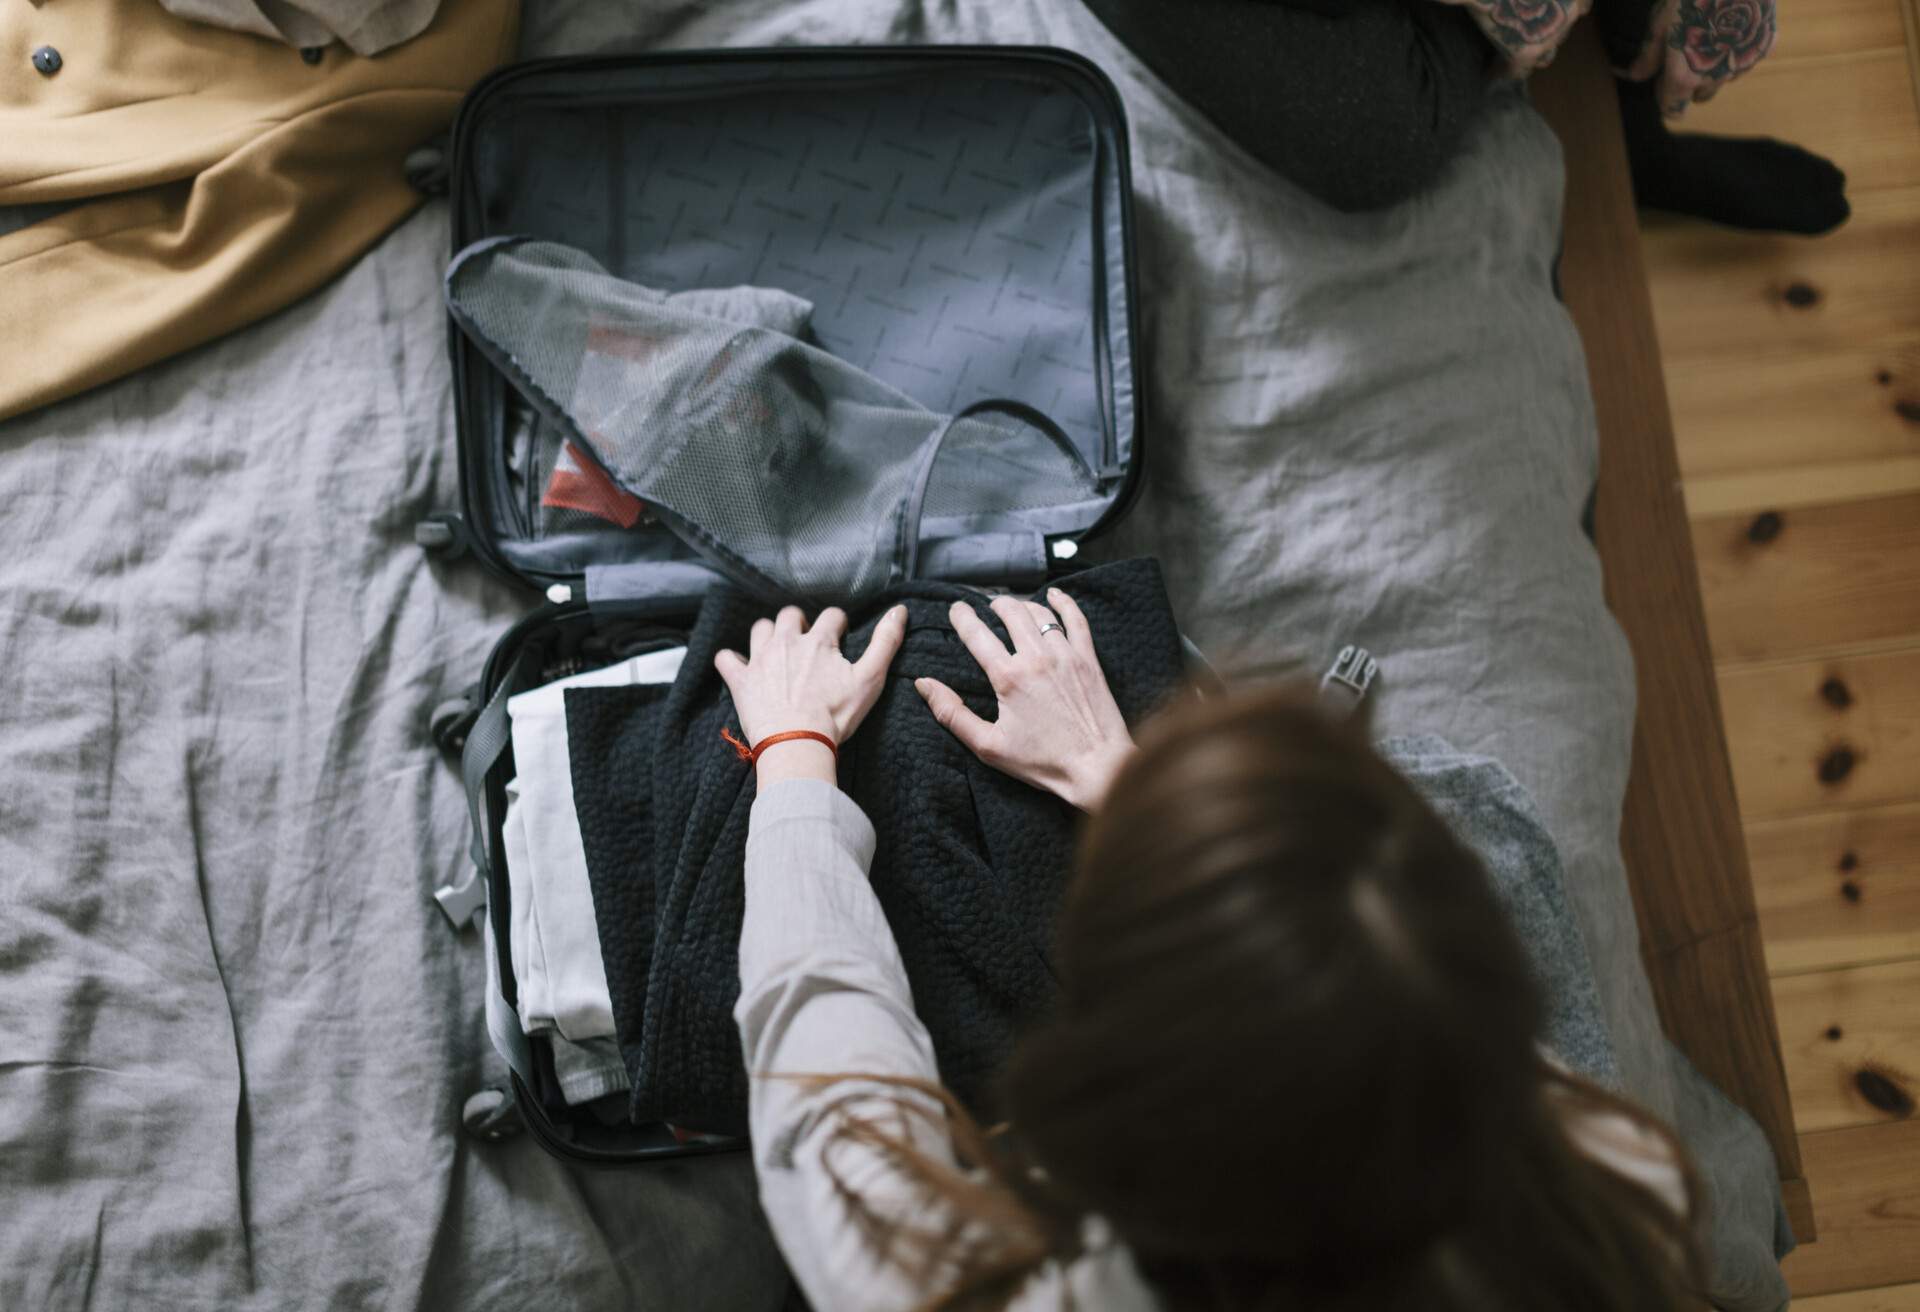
<point x="237" y="1031"/>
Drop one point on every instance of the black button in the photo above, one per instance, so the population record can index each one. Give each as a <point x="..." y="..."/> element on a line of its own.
<point x="47" y="60"/>
<point x="312" y="54"/>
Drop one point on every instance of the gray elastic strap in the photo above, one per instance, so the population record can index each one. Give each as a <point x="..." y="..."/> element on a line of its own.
<point x="654" y="587"/>
<point x="470" y="900"/>
<point x="1004" y="560"/>
<point x="503" y="1025"/>
<point x="486" y="741"/>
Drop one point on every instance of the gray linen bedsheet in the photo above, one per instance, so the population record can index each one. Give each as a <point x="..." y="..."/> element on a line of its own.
<point x="235" y="1031"/>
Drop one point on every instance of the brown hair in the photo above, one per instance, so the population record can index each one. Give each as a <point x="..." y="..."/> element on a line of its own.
<point x="1293" y="1061"/>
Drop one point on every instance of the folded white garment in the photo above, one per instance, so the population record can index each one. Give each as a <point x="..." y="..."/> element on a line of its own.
<point x="552" y="939"/>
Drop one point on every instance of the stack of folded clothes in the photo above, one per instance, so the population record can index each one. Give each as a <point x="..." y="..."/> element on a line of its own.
<point x="626" y="837"/>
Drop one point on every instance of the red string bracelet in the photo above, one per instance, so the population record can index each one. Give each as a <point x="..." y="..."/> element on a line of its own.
<point x="751" y="755"/>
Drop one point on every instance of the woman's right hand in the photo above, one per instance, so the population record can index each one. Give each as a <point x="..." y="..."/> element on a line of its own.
<point x="1059" y="728"/>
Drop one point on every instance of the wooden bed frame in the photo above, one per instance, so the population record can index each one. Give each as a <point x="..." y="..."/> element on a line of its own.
<point x="1685" y="854"/>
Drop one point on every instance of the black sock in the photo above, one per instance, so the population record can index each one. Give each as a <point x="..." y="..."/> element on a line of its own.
<point x="1743" y="182"/>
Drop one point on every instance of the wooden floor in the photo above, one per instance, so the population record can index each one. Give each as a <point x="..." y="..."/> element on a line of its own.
<point x="1794" y="369"/>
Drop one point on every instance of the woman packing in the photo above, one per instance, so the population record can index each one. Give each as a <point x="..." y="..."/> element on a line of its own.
<point x="1294" y="1062"/>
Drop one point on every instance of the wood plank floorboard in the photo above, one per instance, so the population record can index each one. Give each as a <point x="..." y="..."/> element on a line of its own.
<point x="1793" y="367"/>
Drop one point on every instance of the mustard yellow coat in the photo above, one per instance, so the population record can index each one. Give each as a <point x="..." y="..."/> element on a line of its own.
<point x="224" y="175"/>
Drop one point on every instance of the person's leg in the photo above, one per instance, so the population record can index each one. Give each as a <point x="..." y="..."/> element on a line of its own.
<point x="1358" y="102"/>
<point x="1743" y="182"/>
<point x="1623" y="28"/>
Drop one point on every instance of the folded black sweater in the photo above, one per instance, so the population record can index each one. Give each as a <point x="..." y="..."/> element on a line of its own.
<point x="969" y="865"/>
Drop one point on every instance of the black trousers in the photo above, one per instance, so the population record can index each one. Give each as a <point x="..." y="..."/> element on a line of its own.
<point x="1359" y="102"/>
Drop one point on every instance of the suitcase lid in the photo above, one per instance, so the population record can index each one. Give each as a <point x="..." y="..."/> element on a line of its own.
<point x="958" y="219"/>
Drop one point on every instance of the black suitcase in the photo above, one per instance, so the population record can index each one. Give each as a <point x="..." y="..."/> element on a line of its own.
<point x="959" y="218"/>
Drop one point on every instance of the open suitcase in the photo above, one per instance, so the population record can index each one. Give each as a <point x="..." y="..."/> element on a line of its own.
<point x="957" y="220"/>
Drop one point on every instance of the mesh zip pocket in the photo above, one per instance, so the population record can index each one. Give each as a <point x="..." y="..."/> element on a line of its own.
<point x="798" y="474"/>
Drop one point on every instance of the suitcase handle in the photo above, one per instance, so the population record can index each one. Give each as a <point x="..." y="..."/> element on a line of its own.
<point x="914" y="509"/>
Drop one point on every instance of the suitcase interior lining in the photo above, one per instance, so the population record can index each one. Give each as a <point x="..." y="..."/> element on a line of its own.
<point x="956" y="227"/>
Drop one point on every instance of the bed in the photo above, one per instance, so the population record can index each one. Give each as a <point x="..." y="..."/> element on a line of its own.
<point x="1686" y="857"/>
<point x="238" y="1030"/>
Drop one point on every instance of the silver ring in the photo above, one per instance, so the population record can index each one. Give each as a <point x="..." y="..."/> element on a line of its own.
<point x="1052" y="627"/>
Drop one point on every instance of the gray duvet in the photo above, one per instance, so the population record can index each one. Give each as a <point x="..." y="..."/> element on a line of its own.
<point x="235" y="1030"/>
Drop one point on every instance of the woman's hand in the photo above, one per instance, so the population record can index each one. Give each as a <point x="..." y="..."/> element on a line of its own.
<point x="794" y="677"/>
<point x="1059" y="727"/>
<point x="1698" y="46"/>
<point x="1528" y="31"/>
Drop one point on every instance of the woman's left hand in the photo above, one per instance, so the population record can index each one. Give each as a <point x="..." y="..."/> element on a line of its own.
<point x="1058" y="726"/>
<point x="794" y="677"/>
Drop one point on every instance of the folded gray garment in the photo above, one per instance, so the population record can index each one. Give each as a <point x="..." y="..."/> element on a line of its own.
<point x="366" y="26"/>
<point x="1746" y="1229"/>
<point x="792" y="471"/>
<point x="1491" y="812"/>
<point x="589" y="1069"/>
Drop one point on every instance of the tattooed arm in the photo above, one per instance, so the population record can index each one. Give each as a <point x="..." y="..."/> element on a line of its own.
<point x="1698" y="46"/>
<point x="1528" y="31"/>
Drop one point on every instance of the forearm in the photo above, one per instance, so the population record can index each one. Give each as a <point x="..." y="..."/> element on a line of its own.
<point x="825" y="993"/>
<point x="809" y="847"/>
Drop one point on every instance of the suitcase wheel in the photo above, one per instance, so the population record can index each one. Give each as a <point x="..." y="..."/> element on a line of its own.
<point x="491" y="1115"/>
<point x="426" y="169"/>
<point x="441" y="535"/>
<point x="451" y="722"/>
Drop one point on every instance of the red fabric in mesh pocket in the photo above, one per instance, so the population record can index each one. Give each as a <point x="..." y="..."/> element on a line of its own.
<point x="579" y="484"/>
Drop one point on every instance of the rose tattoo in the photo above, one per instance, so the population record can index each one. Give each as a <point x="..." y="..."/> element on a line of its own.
<point x="1696" y="47"/>
<point x="1528" y="31"/>
<point x="1721" y="39"/>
